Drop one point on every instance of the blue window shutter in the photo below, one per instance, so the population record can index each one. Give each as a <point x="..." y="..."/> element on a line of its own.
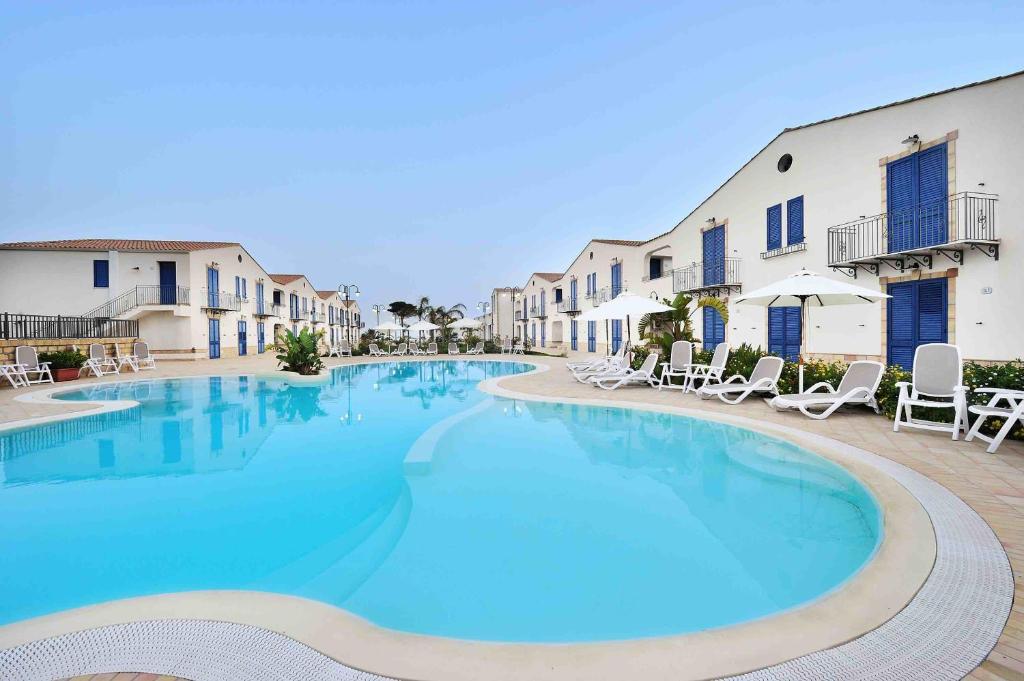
<point x="793" y="324"/>
<point x="901" y="197"/>
<point x="932" y="192"/>
<point x="238" y="286"/>
<point x="775" y="227"/>
<point x="101" y="273"/>
<point x="900" y="325"/>
<point x="931" y="311"/>
<point x="777" y="331"/>
<point x="795" y="220"/>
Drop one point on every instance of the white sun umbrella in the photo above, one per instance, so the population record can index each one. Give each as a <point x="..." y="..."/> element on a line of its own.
<point x="810" y="289"/>
<point x="389" y="327"/>
<point x="624" y="306"/>
<point x="423" y="325"/>
<point x="465" y="323"/>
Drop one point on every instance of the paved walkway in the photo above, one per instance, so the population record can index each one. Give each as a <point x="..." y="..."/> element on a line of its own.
<point x="993" y="485"/>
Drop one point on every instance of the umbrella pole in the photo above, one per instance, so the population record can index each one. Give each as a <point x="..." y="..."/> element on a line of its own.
<point x="803" y="336"/>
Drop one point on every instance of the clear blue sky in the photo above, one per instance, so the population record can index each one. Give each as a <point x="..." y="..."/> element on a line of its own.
<point x="435" y="148"/>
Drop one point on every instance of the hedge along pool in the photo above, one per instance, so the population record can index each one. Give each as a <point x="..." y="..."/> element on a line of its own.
<point x="401" y="493"/>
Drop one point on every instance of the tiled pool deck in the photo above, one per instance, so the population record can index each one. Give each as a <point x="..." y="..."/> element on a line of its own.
<point x="992" y="485"/>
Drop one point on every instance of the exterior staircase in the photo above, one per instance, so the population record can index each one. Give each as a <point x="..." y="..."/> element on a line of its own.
<point x="140" y="299"/>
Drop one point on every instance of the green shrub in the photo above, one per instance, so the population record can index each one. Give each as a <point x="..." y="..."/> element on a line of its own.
<point x="640" y="355"/>
<point x="300" y="353"/>
<point x="63" y="359"/>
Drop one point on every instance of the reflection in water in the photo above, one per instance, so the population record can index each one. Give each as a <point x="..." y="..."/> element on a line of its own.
<point x="402" y="493"/>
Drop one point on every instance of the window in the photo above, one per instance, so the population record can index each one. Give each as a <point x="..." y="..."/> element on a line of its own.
<point x="714" y="256"/>
<point x="775" y="227"/>
<point x="714" y="328"/>
<point x="917" y="314"/>
<point x="785" y="162"/>
<point x="784" y="332"/>
<point x="794" y="221"/>
<point x="101" y="273"/>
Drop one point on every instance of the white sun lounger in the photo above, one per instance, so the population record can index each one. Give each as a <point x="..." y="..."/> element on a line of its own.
<point x="375" y="350"/>
<point x="1013" y="414"/>
<point x="144" y="360"/>
<point x="764" y="378"/>
<point x="506" y="346"/>
<point x="344" y="349"/>
<point x="477" y="349"/>
<point x="431" y="348"/>
<point x="642" y="376"/>
<point x="518" y="349"/>
<point x="401" y="349"/>
<point x="27" y="360"/>
<point x="598" y="363"/>
<point x="858" y="386"/>
<point x="937" y="383"/>
<point x="708" y="373"/>
<point x="130" y="361"/>
<point x="98" y="363"/>
<point x="678" y="365"/>
<point x="453" y="349"/>
<point x="615" y="366"/>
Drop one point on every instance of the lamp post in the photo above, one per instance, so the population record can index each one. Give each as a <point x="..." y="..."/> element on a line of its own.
<point x="484" y="306"/>
<point x="378" y="309"/>
<point x="348" y="291"/>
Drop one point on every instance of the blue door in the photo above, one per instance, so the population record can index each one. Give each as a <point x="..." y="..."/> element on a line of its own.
<point x="784" y="332"/>
<point x="616" y="334"/>
<point x="714" y="256"/>
<point x="616" y="279"/>
<point x="168" y="282"/>
<point x="261" y="338"/>
<point x="572" y="295"/>
<point x="212" y="288"/>
<point x="214" y="331"/>
<point x="260" y="303"/>
<point x="243" y="339"/>
<point x="916" y="314"/>
<point x="543" y="328"/>
<point x="916" y="200"/>
<point x="655" y="268"/>
<point x="714" y="328"/>
<point x="573" y="331"/>
<point x="591" y="336"/>
<point x="543" y="305"/>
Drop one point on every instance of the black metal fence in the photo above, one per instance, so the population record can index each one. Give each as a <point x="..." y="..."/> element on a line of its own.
<point x="962" y="218"/>
<point x="36" y="326"/>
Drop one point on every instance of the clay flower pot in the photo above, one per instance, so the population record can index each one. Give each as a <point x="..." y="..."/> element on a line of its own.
<point x="65" y="374"/>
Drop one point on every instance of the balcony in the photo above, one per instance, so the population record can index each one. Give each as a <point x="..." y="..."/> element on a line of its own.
<point x="913" y="237"/>
<point x="569" y="306"/>
<point x="221" y="301"/>
<point x="603" y="295"/>
<point x="538" y="312"/>
<point x="298" y="315"/>
<point x="263" y="309"/>
<point x="708" y="278"/>
<point x="139" y="296"/>
<point x="519" y="315"/>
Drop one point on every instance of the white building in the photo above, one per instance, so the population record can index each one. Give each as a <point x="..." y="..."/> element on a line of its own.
<point x="192" y="299"/>
<point x="918" y="198"/>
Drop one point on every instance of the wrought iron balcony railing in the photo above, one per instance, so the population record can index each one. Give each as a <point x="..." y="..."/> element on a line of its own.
<point x="569" y="305"/>
<point x="538" y="312"/>
<point x="519" y="315"/>
<point x="913" y="235"/>
<point x="708" y="277"/>
<point x="155" y="294"/>
<point x="221" y="300"/>
<point x="298" y="315"/>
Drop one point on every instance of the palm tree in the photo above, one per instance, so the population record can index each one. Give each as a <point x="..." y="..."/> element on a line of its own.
<point x="443" y="316"/>
<point x="667" y="327"/>
<point x="423" y="308"/>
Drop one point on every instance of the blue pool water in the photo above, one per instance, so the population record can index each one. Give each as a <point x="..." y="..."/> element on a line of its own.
<point x="402" y="493"/>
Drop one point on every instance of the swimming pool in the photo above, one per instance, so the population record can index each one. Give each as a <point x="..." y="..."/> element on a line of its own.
<point x="401" y="493"/>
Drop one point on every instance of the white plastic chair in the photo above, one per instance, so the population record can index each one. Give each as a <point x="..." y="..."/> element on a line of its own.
<point x="1013" y="414"/>
<point x="344" y="349"/>
<point x="678" y="365"/>
<point x="708" y="373"/>
<point x="937" y="383"/>
<point x="431" y="348"/>
<point x="402" y="348"/>
<point x="643" y="375"/>
<point x="858" y="386"/>
<point x="98" y="363"/>
<point x="764" y="378"/>
<point x="12" y="372"/>
<point x="453" y="349"/>
<point x="27" y="360"/>
<point x="123" y="361"/>
<point x="144" y="360"/>
<point x="477" y="349"/>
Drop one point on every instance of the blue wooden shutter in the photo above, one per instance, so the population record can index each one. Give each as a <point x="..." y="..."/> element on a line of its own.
<point x="793" y="324"/>
<point x="901" y="197"/>
<point x="591" y="336"/>
<point x="714" y="328"/>
<point x="714" y="256"/>
<point x="777" y="331"/>
<point x="931" y="311"/>
<point x="932" y="191"/>
<point x="900" y="325"/>
<point x="101" y="273"/>
<point x="795" y="221"/>
<point x="238" y="286"/>
<point x="573" y="331"/>
<point x="775" y="227"/>
<point x="616" y="334"/>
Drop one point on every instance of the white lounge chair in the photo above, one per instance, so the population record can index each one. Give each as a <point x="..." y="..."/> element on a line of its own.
<point x="27" y="360"/>
<point x="375" y="350"/>
<point x="12" y="372"/>
<point x="1013" y="414"/>
<point x="123" y="361"/>
<point x="678" y="365"/>
<point x="506" y="346"/>
<point x="453" y="349"/>
<point x="616" y="365"/>
<point x="597" y="363"/>
<point x="764" y="378"/>
<point x="333" y="350"/>
<point x="431" y="348"/>
<point x="937" y="383"/>
<point x="477" y="349"/>
<point x="144" y="359"/>
<point x="643" y="375"/>
<point x="401" y="349"/>
<point x="98" y="363"/>
<point x="519" y="349"/>
<point x="708" y="373"/>
<point x="858" y="386"/>
<point x="344" y="349"/>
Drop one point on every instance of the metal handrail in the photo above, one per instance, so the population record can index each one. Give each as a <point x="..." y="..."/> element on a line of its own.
<point x="963" y="217"/>
<point x="35" y="326"/>
<point x="148" y="294"/>
<point x="569" y="305"/>
<point x="701" y="275"/>
<point x="221" y="300"/>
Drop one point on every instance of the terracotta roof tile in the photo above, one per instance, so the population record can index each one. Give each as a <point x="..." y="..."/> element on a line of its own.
<point x="618" y="242"/>
<point x="154" y="245"/>
<point x="326" y="294"/>
<point x="549" y="276"/>
<point x="286" y="278"/>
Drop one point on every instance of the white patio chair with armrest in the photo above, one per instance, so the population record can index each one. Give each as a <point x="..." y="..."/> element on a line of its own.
<point x="519" y="349"/>
<point x="140" y="349"/>
<point x="27" y="359"/>
<point x="453" y="349"/>
<point x="344" y="349"/>
<point x="938" y="373"/>
<point x="764" y="378"/>
<point x="708" y="373"/>
<point x="125" y="360"/>
<point x="333" y="350"/>
<point x="679" y="363"/>
<point x="12" y="372"/>
<point x="858" y="386"/>
<point x="1013" y="414"/>
<point x="431" y="348"/>
<point x="98" y="363"/>
<point x="642" y="376"/>
<point x="506" y="346"/>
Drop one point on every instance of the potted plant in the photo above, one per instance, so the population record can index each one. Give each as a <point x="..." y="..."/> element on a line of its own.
<point x="300" y="353"/>
<point x="66" y="365"/>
